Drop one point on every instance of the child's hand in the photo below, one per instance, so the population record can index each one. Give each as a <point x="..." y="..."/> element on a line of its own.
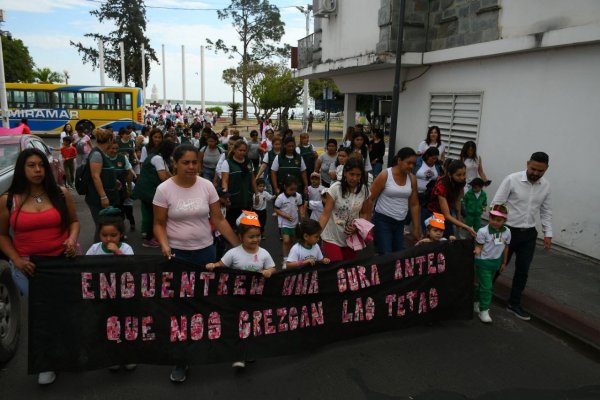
<point x="477" y="250"/>
<point x="424" y="240"/>
<point x="268" y="272"/>
<point x="289" y="218"/>
<point x="210" y="266"/>
<point x="452" y="238"/>
<point x="310" y="261"/>
<point x="503" y="267"/>
<point x="112" y="247"/>
<point x="325" y="260"/>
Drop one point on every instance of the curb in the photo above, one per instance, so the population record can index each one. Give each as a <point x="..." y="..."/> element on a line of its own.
<point x="569" y="320"/>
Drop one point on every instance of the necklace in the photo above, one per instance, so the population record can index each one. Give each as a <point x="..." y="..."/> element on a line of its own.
<point x="39" y="198"/>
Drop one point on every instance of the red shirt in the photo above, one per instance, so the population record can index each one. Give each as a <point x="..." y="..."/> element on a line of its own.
<point x="439" y="189"/>
<point x="26" y="130"/>
<point x="68" y="152"/>
<point x="38" y="233"/>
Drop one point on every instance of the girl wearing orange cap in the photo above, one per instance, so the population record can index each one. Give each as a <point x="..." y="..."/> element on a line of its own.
<point x="248" y="256"/>
<point x="436" y="224"/>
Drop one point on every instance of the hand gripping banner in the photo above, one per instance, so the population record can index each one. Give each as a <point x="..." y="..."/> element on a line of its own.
<point x="98" y="311"/>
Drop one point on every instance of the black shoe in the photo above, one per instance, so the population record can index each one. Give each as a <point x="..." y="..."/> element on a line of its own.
<point x="518" y="312"/>
<point x="178" y="374"/>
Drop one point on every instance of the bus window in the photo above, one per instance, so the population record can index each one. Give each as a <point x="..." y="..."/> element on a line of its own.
<point x="127" y="101"/>
<point x="67" y="99"/>
<point x="42" y="99"/>
<point x="91" y="100"/>
<point x="54" y="99"/>
<point x="110" y="101"/>
<point x="30" y="95"/>
<point x="16" y="98"/>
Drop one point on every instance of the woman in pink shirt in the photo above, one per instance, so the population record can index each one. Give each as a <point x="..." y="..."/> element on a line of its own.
<point x="183" y="205"/>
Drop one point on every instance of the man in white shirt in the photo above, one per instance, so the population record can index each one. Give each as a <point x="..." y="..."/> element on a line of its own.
<point x="525" y="194"/>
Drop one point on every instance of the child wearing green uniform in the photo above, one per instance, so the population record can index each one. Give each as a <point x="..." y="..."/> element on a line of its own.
<point x="491" y="255"/>
<point x="475" y="202"/>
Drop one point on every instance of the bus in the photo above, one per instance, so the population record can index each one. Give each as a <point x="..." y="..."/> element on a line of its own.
<point x="48" y="107"/>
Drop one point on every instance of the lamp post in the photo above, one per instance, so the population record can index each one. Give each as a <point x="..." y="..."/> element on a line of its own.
<point x="306" y="11"/>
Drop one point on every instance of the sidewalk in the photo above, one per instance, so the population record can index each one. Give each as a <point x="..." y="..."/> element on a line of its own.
<point x="563" y="291"/>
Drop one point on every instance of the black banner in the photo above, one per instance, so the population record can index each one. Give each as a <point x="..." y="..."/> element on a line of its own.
<point x="94" y="312"/>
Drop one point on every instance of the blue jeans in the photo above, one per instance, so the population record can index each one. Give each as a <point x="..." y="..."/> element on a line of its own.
<point x="199" y="257"/>
<point x="389" y="233"/>
<point x="377" y="167"/>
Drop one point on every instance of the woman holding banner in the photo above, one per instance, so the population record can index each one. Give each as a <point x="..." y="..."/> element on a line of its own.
<point x="37" y="217"/>
<point x="183" y="205"/>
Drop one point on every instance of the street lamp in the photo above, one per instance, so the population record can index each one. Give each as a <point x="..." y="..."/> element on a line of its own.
<point x="306" y="11"/>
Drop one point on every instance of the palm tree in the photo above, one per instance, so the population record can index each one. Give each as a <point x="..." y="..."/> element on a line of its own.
<point x="46" y="75"/>
<point x="234" y="108"/>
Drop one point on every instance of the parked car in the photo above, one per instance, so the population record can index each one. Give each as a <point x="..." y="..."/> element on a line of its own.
<point x="10" y="147"/>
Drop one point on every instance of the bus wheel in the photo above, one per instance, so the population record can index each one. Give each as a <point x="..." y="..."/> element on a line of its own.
<point x="86" y="125"/>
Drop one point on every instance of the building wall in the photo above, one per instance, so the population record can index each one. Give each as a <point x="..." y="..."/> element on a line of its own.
<point x="353" y="31"/>
<point x="518" y="17"/>
<point x="540" y="101"/>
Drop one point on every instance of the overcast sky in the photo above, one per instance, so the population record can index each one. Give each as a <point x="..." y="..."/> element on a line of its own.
<point x="47" y="26"/>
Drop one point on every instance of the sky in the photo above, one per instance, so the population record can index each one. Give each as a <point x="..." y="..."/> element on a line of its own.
<point x="47" y="26"/>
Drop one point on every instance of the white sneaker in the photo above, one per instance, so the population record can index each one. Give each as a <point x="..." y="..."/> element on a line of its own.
<point x="484" y="316"/>
<point x="46" y="378"/>
<point x="476" y="307"/>
<point x="239" y="364"/>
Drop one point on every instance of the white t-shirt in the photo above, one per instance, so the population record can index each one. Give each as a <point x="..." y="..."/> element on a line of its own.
<point x="493" y="243"/>
<point x="263" y="197"/>
<point x="345" y="210"/>
<point x="316" y="208"/>
<point x="424" y="175"/>
<point x="288" y="205"/>
<point x="219" y="167"/>
<point x="97" y="250"/>
<point x="423" y="146"/>
<point x="314" y="193"/>
<point x="239" y="258"/>
<point x="158" y="162"/>
<point x="301" y="253"/>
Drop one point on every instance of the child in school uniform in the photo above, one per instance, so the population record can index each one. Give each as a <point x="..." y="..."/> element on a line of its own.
<point x="307" y="250"/>
<point x="248" y="256"/>
<point x="314" y="190"/>
<point x="288" y="207"/>
<point x="260" y="204"/>
<point x="491" y="256"/>
<point x="475" y="203"/>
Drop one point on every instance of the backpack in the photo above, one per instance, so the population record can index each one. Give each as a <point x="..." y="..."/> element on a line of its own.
<point x="83" y="177"/>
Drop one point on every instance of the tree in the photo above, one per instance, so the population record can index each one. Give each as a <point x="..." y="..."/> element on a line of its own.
<point x="252" y="73"/>
<point x="316" y="87"/>
<point x="129" y="19"/>
<point x="46" y="75"/>
<point x="18" y="64"/>
<point x="234" y="108"/>
<point x="259" y="27"/>
<point x="280" y="91"/>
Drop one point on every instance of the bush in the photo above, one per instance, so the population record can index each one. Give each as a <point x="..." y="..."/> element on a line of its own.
<point x="217" y="109"/>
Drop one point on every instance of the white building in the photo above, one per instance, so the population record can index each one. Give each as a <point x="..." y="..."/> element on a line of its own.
<point x="515" y="76"/>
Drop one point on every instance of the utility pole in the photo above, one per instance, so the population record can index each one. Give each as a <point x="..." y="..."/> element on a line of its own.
<point x="396" y="90"/>
<point x="164" y="76"/>
<point x="306" y="11"/>
<point x="122" y="47"/>
<point x="143" y="75"/>
<point x="101" y="60"/>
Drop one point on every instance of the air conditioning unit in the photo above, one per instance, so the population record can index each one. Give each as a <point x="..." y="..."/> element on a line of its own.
<point x="324" y="8"/>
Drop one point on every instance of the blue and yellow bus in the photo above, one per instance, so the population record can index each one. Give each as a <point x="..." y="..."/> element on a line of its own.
<point x="48" y="107"/>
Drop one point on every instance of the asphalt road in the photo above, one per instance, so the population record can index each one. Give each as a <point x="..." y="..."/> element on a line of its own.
<point x="510" y="359"/>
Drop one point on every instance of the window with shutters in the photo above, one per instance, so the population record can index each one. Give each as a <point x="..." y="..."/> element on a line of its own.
<point x="458" y="116"/>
